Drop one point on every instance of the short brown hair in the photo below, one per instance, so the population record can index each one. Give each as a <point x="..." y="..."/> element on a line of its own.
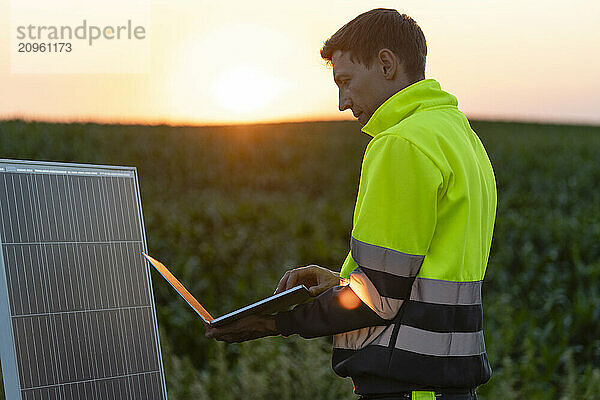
<point x="381" y="28"/>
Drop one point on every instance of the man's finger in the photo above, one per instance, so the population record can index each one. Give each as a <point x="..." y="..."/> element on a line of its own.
<point x="212" y="332"/>
<point x="282" y="283"/>
<point x="318" y="289"/>
<point x="225" y="336"/>
<point x="314" y="290"/>
<point x="234" y="337"/>
<point x="292" y="280"/>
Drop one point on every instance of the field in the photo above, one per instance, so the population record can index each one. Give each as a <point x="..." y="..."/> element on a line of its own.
<point x="231" y="208"/>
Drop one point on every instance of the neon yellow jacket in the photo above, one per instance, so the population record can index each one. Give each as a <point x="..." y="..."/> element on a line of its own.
<point x="420" y="242"/>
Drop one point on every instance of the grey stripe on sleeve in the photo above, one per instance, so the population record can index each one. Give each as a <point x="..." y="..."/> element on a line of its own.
<point x="384" y="259"/>
<point x="359" y="338"/>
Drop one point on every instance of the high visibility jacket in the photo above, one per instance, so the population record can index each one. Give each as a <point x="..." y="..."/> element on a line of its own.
<point x="419" y="248"/>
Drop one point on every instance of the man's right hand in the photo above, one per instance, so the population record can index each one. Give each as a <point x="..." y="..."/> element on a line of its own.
<point x="316" y="279"/>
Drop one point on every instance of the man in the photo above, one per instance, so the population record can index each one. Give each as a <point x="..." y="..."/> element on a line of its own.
<point x="405" y="310"/>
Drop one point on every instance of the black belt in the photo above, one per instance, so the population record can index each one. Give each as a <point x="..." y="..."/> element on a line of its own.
<point x="439" y="395"/>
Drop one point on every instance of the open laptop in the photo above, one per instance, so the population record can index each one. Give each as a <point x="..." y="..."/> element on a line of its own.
<point x="269" y="305"/>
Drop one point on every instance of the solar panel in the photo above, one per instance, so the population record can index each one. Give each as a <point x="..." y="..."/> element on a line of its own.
<point x="77" y="317"/>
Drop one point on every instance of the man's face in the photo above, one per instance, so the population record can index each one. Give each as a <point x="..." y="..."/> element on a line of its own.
<point x="361" y="89"/>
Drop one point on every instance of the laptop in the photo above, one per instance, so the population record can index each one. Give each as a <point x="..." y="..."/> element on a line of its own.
<point x="278" y="302"/>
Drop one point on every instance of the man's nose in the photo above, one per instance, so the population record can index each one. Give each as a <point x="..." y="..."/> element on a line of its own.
<point x="344" y="102"/>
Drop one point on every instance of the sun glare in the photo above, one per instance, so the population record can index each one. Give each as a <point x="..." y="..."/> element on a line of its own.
<point x="245" y="89"/>
<point x="222" y="74"/>
<point x="349" y="300"/>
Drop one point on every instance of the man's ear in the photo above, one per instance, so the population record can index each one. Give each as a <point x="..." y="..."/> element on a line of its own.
<point x="388" y="63"/>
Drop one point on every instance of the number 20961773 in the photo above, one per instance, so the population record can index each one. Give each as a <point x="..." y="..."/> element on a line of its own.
<point x="45" y="47"/>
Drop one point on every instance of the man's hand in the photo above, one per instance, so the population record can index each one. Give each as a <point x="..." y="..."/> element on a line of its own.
<point x="248" y="328"/>
<point x="316" y="279"/>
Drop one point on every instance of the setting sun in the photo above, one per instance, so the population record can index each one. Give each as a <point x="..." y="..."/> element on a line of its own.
<point x="245" y="89"/>
<point x="221" y="72"/>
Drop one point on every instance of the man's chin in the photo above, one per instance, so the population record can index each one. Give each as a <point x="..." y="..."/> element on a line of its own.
<point x="361" y="120"/>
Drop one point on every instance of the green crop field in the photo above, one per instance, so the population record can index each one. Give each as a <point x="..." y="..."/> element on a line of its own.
<point x="231" y="208"/>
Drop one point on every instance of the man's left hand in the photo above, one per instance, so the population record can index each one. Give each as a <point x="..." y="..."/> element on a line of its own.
<point x="248" y="328"/>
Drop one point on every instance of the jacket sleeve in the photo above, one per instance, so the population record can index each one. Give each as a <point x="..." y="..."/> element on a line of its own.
<point x="394" y="221"/>
<point x="336" y="310"/>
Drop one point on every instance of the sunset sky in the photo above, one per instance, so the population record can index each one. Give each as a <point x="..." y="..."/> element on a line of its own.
<point x="215" y="62"/>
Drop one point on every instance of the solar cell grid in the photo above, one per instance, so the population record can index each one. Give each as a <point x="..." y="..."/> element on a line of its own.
<point x="76" y="308"/>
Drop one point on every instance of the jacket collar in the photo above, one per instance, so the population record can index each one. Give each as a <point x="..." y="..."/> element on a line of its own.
<point x="419" y="96"/>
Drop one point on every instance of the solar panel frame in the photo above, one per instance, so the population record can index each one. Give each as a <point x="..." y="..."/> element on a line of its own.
<point x="8" y="348"/>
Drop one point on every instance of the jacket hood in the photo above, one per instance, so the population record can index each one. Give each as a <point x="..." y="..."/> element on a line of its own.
<point x="422" y="95"/>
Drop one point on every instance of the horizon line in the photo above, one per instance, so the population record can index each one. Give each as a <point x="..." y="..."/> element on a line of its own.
<point x="209" y="124"/>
